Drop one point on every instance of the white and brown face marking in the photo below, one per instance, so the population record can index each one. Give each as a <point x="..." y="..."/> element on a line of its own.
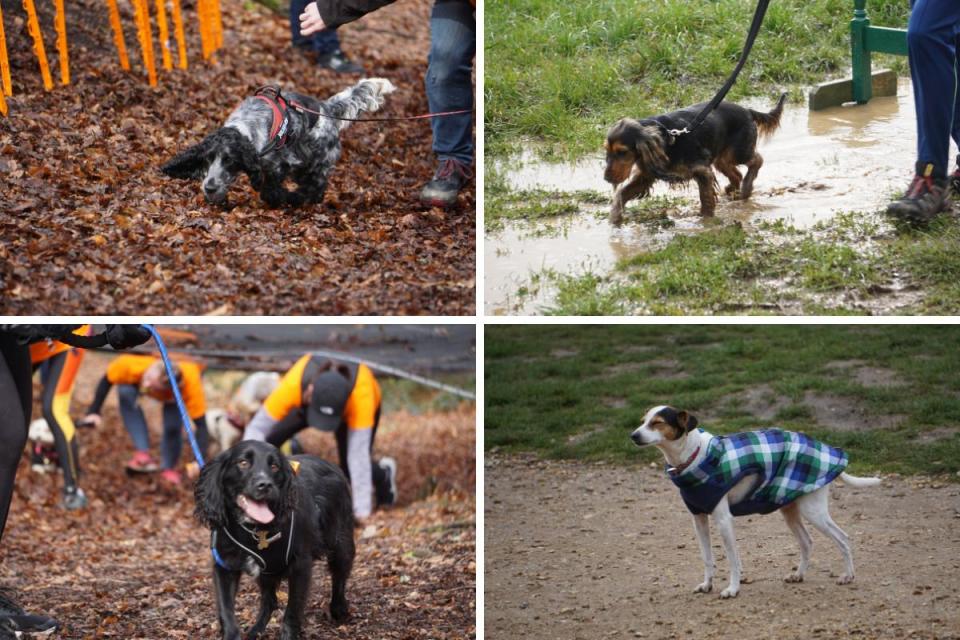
<point x="663" y="423"/>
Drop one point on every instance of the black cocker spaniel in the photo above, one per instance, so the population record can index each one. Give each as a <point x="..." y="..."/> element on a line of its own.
<point x="270" y="517"/>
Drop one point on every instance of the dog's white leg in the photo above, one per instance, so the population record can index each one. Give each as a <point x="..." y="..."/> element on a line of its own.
<point x="702" y="526"/>
<point x="791" y="515"/>
<point x="815" y="508"/>
<point x="724" y="521"/>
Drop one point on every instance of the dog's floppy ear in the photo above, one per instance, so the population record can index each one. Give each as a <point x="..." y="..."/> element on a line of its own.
<point x="288" y="485"/>
<point x="244" y="151"/>
<point x="193" y="161"/>
<point x="688" y="421"/>
<point x="651" y="148"/>
<point x="211" y="507"/>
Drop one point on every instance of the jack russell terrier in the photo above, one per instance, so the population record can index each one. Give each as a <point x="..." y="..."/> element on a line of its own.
<point x="746" y="473"/>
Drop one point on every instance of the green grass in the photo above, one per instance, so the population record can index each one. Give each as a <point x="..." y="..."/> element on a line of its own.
<point x="560" y="73"/>
<point x="577" y="391"/>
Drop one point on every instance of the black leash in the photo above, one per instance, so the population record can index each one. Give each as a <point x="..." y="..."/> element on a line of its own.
<point x="758" y="14"/>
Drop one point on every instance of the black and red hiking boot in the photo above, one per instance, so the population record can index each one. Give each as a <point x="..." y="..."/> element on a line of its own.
<point x="926" y="197"/>
<point x="448" y="180"/>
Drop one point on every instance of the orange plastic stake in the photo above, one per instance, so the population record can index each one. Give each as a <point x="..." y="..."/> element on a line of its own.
<point x="178" y="29"/>
<point x="3" y="104"/>
<point x="34" y="27"/>
<point x="217" y="24"/>
<point x="61" y="24"/>
<point x="4" y="63"/>
<point x="118" y="35"/>
<point x="204" y="15"/>
<point x="164" y="34"/>
<point x="142" y="10"/>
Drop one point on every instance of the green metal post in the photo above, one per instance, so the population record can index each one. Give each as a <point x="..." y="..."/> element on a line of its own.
<point x="862" y="83"/>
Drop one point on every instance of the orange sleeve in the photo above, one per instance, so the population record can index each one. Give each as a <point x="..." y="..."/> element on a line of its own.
<point x="42" y="351"/>
<point x="361" y="410"/>
<point x="128" y="369"/>
<point x="193" y="395"/>
<point x="287" y="396"/>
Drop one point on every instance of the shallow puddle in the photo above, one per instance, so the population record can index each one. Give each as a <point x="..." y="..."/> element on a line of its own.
<point x="816" y="165"/>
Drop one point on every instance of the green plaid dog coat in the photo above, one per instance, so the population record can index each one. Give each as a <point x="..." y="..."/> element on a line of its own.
<point x="788" y="465"/>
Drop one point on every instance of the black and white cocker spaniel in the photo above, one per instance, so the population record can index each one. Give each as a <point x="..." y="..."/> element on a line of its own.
<point x="272" y="136"/>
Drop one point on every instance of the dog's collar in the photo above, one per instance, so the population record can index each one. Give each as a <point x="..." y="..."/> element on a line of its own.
<point x="268" y="565"/>
<point x="280" y="126"/>
<point x="680" y="467"/>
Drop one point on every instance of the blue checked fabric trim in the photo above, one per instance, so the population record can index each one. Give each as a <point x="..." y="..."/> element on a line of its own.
<point x="789" y="465"/>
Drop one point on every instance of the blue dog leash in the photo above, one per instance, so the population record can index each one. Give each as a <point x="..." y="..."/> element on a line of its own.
<point x="184" y="417"/>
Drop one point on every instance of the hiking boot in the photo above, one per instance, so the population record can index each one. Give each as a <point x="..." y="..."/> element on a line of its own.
<point x="142" y="462"/>
<point x="338" y="62"/>
<point x="74" y="498"/>
<point x="14" y="620"/>
<point x="387" y="490"/>
<point x="171" y="477"/>
<point x="447" y="182"/>
<point x="925" y="198"/>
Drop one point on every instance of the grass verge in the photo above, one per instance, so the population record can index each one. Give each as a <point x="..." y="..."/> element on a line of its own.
<point x="577" y="391"/>
<point x="560" y="73"/>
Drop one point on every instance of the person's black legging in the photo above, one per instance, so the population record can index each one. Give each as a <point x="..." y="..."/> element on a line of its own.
<point x="64" y="436"/>
<point x="16" y="400"/>
<point x="381" y="483"/>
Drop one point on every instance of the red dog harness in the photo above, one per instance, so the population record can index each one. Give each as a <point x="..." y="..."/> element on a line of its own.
<point x="281" y="120"/>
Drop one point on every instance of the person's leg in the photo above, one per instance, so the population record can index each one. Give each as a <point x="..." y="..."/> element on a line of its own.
<point x="931" y="43"/>
<point x="449" y="86"/>
<point x="297" y="40"/>
<point x="341" y="435"/>
<point x="384" y="473"/>
<point x="61" y="372"/>
<point x="16" y="398"/>
<point x="136" y="425"/>
<point x="955" y="134"/>
<point x="172" y="436"/>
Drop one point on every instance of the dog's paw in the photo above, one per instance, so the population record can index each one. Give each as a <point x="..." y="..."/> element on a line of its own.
<point x="730" y="592"/>
<point x="339" y="611"/>
<point x="844" y="579"/>
<point x="794" y="577"/>
<point x="704" y="587"/>
<point x="383" y="85"/>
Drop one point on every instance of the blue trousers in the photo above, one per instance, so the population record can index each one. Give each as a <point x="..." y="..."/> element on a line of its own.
<point x="932" y="39"/>
<point x="453" y="44"/>
<point x="136" y="424"/>
<point x="321" y="42"/>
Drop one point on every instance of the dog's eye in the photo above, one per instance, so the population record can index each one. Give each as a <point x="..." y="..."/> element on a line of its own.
<point x="274" y="468"/>
<point x="243" y="464"/>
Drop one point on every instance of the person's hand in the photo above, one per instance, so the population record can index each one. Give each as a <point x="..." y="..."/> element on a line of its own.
<point x="124" y="336"/>
<point x="310" y="20"/>
<point x="91" y="420"/>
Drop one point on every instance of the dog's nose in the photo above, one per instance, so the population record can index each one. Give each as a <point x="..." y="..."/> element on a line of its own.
<point x="263" y="485"/>
<point x="635" y="436"/>
<point x="209" y="188"/>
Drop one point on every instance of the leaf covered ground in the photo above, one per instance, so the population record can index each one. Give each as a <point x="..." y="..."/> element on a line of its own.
<point x="88" y="224"/>
<point x="136" y="565"/>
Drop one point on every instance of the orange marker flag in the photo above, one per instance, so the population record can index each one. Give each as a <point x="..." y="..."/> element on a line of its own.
<point x="178" y="29"/>
<point x="142" y="10"/>
<point x="4" y="63"/>
<point x="34" y="27"/>
<point x="204" y="15"/>
<point x="61" y="23"/>
<point x="217" y="24"/>
<point x="118" y="35"/>
<point x="3" y="104"/>
<point x="164" y="34"/>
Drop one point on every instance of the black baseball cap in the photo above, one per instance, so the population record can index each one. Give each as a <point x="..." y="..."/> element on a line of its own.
<point x="330" y="393"/>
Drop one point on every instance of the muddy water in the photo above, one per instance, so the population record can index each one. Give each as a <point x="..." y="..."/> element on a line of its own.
<point x="818" y="164"/>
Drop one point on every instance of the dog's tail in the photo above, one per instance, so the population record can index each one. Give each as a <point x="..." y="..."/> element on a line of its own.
<point x="366" y="96"/>
<point x="767" y="123"/>
<point x="858" y="482"/>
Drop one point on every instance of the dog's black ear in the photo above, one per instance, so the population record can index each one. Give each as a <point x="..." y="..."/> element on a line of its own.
<point x="192" y="162"/>
<point x="249" y="159"/>
<point x="288" y="487"/>
<point x="211" y="504"/>
<point x="688" y="421"/>
<point x="650" y="148"/>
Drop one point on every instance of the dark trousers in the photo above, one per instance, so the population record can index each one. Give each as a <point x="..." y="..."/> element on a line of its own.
<point x="321" y="42"/>
<point x="932" y="38"/>
<point x="453" y="44"/>
<point x="67" y="447"/>
<point x="16" y="398"/>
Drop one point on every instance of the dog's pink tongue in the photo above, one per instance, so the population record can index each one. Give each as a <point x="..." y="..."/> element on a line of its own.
<point x="257" y="511"/>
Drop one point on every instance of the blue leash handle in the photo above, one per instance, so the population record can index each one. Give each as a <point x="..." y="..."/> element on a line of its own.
<point x="187" y="422"/>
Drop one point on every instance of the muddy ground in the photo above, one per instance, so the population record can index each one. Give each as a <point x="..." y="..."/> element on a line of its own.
<point x="588" y="551"/>
<point x="135" y="565"/>
<point x="89" y="225"/>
